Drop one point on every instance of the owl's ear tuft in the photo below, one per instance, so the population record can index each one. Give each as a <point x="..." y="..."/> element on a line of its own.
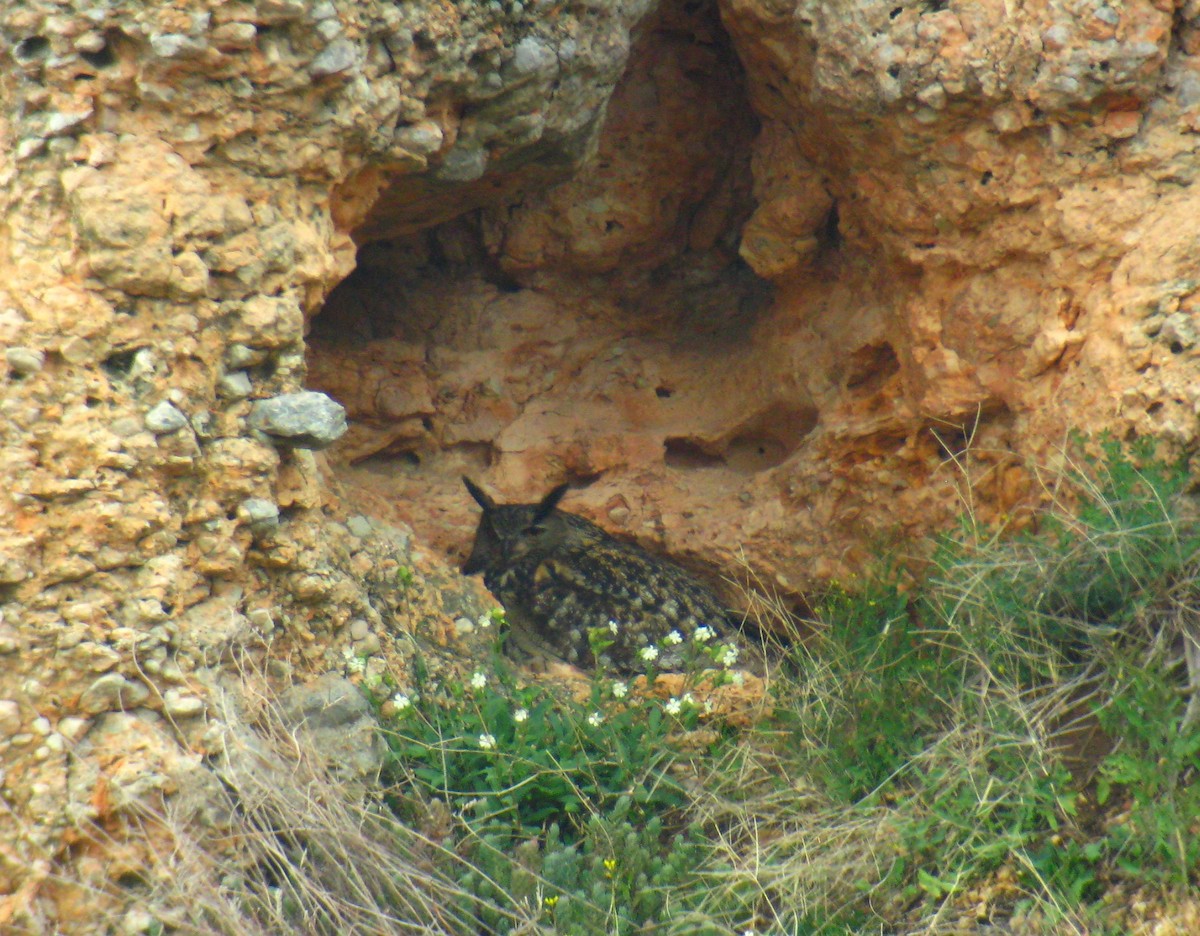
<point x="548" y="503"/>
<point x="480" y="495"/>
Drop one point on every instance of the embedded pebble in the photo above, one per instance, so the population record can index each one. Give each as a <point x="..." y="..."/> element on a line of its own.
<point x="422" y="138"/>
<point x="165" y="418"/>
<point x="178" y="705"/>
<point x="112" y="691"/>
<point x="359" y="629"/>
<point x="306" y="419"/>
<point x="261" y="619"/>
<point x="10" y="717"/>
<point x="73" y="728"/>
<point x="532" y="55"/>
<point x="338" y="56"/>
<point x="24" y="361"/>
<point x="359" y="526"/>
<point x="261" y="514"/>
<point x="235" y="386"/>
<point x="240" y="355"/>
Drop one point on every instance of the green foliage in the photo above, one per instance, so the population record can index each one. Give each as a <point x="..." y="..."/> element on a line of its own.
<point x="570" y="812"/>
<point x="913" y="758"/>
<point x="524" y="760"/>
<point x="942" y="702"/>
<point x="1155" y="769"/>
<point x="874" y="684"/>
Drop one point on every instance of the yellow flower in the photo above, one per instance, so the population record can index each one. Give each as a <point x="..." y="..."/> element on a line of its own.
<point x="550" y="902"/>
<point x="610" y="866"/>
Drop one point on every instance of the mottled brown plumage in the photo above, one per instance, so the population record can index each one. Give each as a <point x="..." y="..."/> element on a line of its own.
<point x="566" y="585"/>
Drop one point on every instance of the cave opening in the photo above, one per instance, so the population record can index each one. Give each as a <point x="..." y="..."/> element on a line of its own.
<point x="599" y="329"/>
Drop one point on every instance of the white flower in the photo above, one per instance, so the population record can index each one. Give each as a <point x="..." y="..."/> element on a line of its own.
<point x="727" y="655"/>
<point x="400" y="702"/>
<point x="612" y="626"/>
<point x="354" y="662"/>
<point x="672" y="707"/>
<point x="737" y="678"/>
<point x="703" y="634"/>
<point x="673" y="638"/>
<point x="478" y="680"/>
<point x="619" y="690"/>
<point x="485" y="620"/>
<point x="708" y="706"/>
<point x="487" y="741"/>
<point x="649" y="654"/>
<point x="595" y="719"/>
<point x="688" y="699"/>
<point x="520" y="715"/>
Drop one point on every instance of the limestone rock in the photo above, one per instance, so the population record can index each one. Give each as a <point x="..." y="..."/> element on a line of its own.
<point x="164" y="418"/>
<point x="305" y="419"/>
<point x="337" y="721"/>
<point x="746" y="271"/>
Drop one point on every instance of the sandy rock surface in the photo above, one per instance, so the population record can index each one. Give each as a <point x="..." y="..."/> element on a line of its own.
<point x="765" y="280"/>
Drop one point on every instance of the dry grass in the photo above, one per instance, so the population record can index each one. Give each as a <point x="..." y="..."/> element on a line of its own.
<point x="277" y="845"/>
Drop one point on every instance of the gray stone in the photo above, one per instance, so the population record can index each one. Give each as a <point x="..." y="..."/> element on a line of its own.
<point x="261" y="620"/>
<point x="1178" y="329"/>
<point x="10" y="717"/>
<point x="165" y="418"/>
<point x="111" y="691"/>
<point x="329" y="29"/>
<point x="306" y="419"/>
<point x="178" y="705"/>
<point x="421" y="138"/>
<point x="339" y="56"/>
<point x="262" y="515"/>
<point x="58" y="122"/>
<point x="29" y="146"/>
<point x="463" y="164"/>
<point x="172" y="45"/>
<point x="359" y="629"/>
<point x="359" y="526"/>
<point x="240" y="355"/>
<point x="533" y="55"/>
<point x="339" y="724"/>
<point x="235" y="386"/>
<point x="76" y="350"/>
<point x="24" y="361"/>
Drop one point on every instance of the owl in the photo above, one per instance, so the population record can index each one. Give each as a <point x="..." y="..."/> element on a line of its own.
<point x="573" y="592"/>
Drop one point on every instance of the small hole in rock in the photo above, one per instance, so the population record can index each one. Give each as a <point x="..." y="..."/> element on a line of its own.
<point x="986" y="177"/>
<point x="32" y="48"/>
<point x="1176" y="347"/>
<point x="685" y="454"/>
<point x="103" y="58"/>
<point x="130" y="880"/>
<point x="829" y="234"/>
<point x="663" y="392"/>
<point x="119" y="363"/>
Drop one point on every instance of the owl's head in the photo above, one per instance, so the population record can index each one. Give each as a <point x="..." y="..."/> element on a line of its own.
<point x="508" y="533"/>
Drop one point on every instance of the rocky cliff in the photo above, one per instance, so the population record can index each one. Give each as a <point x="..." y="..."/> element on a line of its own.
<point x="772" y="283"/>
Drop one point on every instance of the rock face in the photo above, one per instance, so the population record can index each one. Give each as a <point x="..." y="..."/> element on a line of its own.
<point x="780" y="278"/>
<point x="832" y="266"/>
